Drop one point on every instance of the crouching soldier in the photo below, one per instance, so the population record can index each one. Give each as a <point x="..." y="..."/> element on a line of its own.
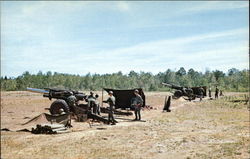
<point x="111" y="102"/>
<point x="137" y="104"/>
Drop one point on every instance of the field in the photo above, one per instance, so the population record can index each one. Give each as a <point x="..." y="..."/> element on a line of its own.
<point x="206" y="129"/>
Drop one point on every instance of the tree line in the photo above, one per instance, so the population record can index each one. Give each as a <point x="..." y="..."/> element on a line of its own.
<point x="233" y="80"/>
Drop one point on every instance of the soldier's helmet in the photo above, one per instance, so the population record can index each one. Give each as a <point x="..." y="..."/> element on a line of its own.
<point x="136" y="91"/>
<point x="110" y="92"/>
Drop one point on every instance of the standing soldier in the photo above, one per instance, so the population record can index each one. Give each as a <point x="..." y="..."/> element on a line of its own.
<point x="97" y="104"/>
<point x="216" y="92"/>
<point x="91" y="102"/>
<point x="201" y="93"/>
<point x="91" y="95"/>
<point x="209" y="92"/>
<point x="111" y="102"/>
<point x="137" y="103"/>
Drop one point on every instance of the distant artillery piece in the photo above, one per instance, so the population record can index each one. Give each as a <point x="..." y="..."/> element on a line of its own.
<point x="190" y="92"/>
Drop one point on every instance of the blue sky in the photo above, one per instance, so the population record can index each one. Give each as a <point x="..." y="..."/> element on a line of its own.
<point x="105" y="37"/>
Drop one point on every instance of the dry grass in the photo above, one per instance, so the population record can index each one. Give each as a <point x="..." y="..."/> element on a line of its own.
<point x="207" y="129"/>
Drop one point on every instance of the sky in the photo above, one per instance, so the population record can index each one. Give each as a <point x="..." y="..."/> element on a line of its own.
<point x="83" y="37"/>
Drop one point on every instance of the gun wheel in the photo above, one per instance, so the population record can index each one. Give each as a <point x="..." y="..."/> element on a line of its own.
<point x="178" y="94"/>
<point x="57" y="105"/>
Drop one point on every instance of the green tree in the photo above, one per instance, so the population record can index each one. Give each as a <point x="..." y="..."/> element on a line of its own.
<point x="218" y="74"/>
<point x="181" y="72"/>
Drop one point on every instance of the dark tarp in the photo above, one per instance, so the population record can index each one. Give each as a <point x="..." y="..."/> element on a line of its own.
<point x="124" y="97"/>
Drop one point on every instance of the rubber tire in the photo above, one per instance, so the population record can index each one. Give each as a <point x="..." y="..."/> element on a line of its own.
<point x="178" y="94"/>
<point x="57" y="105"/>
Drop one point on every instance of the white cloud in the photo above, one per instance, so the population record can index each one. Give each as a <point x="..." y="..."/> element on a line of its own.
<point x="214" y="5"/>
<point x="123" y="6"/>
<point x="151" y="56"/>
<point x="155" y="56"/>
<point x="31" y="38"/>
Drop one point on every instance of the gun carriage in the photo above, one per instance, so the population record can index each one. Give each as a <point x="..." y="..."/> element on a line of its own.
<point x="190" y="92"/>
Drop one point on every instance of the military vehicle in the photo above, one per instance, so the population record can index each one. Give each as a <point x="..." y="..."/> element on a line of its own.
<point x="190" y="92"/>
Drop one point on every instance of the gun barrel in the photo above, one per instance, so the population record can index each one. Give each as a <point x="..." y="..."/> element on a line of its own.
<point x="165" y="84"/>
<point x="36" y="90"/>
<point x="172" y="86"/>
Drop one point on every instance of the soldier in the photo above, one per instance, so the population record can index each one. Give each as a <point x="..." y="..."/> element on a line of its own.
<point x="91" y="95"/>
<point x="137" y="103"/>
<point x="201" y="93"/>
<point x="91" y="102"/>
<point x="221" y="94"/>
<point x="209" y="92"/>
<point x="216" y="92"/>
<point x="97" y="104"/>
<point x="72" y="101"/>
<point x="111" y="102"/>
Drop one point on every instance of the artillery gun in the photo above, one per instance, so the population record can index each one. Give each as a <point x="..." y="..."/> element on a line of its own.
<point x="65" y="99"/>
<point x="190" y="93"/>
<point x="68" y="101"/>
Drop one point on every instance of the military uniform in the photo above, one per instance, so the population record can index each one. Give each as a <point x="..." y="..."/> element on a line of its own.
<point x="221" y="94"/>
<point x="137" y="103"/>
<point x="91" y="104"/>
<point x="209" y="93"/>
<point x="71" y="100"/>
<point x="201" y="93"/>
<point x="216" y="92"/>
<point x="98" y="111"/>
<point x="111" y="102"/>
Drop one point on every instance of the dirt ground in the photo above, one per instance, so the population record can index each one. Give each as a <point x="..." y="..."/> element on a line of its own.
<point x="206" y="129"/>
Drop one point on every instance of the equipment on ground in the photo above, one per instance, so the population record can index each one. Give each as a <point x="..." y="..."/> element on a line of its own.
<point x="190" y="92"/>
<point x="68" y="101"/>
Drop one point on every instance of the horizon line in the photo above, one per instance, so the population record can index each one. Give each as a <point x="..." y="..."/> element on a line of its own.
<point x="173" y="70"/>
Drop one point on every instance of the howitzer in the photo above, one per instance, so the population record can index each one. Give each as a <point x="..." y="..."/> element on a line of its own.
<point x="181" y="91"/>
<point x="191" y="93"/>
<point x="172" y="86"/>
<point x="66" y="99"/>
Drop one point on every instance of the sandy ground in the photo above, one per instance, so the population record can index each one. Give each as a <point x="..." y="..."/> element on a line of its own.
<point x="207" y="129"/>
